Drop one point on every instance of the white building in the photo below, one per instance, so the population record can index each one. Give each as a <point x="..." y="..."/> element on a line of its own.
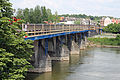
<point x="69" y="22"/>
<point x="107" y="21"/>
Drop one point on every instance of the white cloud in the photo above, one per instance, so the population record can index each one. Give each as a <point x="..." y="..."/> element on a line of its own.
<point x="92" y="7"/>
<point x="101" y="1"/>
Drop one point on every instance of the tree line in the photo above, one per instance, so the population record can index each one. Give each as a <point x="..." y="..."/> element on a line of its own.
<point x="96" y="18"/>
<point x="37" y="15"/>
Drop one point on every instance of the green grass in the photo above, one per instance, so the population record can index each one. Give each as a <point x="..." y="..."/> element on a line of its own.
<point x="106" y="41"/>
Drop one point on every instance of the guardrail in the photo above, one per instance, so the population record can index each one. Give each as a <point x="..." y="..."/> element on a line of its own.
<point x="44" y="29"/>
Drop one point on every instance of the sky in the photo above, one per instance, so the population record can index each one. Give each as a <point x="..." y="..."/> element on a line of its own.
<point x="88" y="7"/>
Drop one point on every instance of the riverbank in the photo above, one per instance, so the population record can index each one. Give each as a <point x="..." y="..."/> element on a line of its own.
<point x="91" y="44"/>
<point x="104" y="42"/>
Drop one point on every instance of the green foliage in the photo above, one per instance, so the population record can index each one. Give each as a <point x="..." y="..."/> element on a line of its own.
<point x="95" y="18"/>
<point x="112" y="28"/>
<point x="11" y="67"/>
<point x="26" y="14"/>
<point x="50" y="16"/>
<point x="37" y="15"/>
<point x="44" y="14"/>
<point x="77" y="22"/>
<point x="106" y="41"/>
<point x="19" y="13"/>
<point x="56" y="18"/>
<point x="14" y="50"/>
<point x="118" y="37"/>
<point x="5" y="8"/>
<point x="37" y="18"/>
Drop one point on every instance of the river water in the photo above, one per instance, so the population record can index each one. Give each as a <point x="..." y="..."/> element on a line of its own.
<point x="91" y="64"/>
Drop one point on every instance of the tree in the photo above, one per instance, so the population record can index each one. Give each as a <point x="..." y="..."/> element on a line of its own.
<point x="44" y="14"/>
<point x="26" y="15"/>
<point x="20" y="13"/>
<point x="37" y="14"/>
<point x="56" y="17"/>
<point x="112" y="28"/>
<point x="31" y="16"/>
<point x="5" y="8"/>
<point x="14" y="50"/>
<point x="50" y="16"/>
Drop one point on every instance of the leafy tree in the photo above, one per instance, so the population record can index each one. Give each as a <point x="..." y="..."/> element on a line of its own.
<point x="14" y="50"/>
<point x="20" y="13"/>
<point x="37" y="14"/>
<point x="56" y="17"/>
<point x="26" y="14"/>
<point x="50" y="16"/>
<point x="5" y="8"/>
<point x="44" y="14"/>
<point x="112" y="28"/>
<point x="31" y="16"/>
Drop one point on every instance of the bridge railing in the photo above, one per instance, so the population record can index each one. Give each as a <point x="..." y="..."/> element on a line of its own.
<point x="44" y="29"/>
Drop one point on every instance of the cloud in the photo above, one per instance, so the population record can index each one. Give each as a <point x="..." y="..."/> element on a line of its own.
<point x="90" y="7"/>
<point x="101" y="1"/>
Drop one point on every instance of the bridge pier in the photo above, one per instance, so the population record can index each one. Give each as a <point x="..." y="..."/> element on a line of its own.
<point x="62" y="50"/>
<point x="41" y="58"/>
<point x="75" y="49"/>
<point x="78" y="42"/>
<point x="58" y="49"/>
<point x="84" y="43"/>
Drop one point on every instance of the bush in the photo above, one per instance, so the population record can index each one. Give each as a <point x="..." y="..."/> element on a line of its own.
<point x="112" y="28"/>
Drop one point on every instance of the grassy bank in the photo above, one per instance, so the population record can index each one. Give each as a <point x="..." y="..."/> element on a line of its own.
<point x="106" y="41"/>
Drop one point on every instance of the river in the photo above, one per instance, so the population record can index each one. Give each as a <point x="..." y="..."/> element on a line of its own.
<point x="91" y="64"/>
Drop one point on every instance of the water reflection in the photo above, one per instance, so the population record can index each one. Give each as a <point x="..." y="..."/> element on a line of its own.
<point x="91" y="64"/>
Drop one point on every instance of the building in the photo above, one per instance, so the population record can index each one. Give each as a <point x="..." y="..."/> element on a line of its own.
<point x="117" y="21"/>
<point x="69" y="22"/>
<point x="107" y="21"/>
<point x="72" y="20"/>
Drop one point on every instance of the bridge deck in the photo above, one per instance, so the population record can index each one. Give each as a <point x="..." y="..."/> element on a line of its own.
<point x="41" y="31"/>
